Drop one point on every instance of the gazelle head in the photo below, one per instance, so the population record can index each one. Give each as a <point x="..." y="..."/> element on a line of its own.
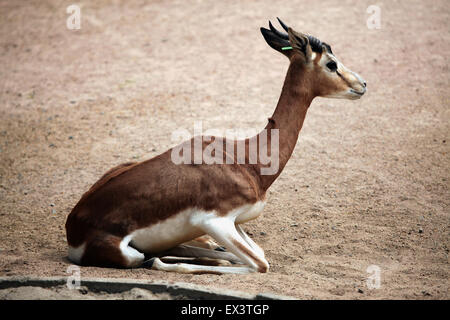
<point x="327" y="76"/>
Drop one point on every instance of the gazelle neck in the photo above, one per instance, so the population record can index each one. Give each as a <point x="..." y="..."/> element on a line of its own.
<point x="296" y="97"/>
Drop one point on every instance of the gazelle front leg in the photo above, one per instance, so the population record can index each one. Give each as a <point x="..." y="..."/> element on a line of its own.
<point x="249" y="240"/>
<point x="224" y="231"/>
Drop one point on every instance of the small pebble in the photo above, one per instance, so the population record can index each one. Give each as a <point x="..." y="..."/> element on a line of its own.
<point x="262" y="233"/>
<point x="420" y="230"/>
<point x="360" y="291"/>
<point x="52" y="204"/>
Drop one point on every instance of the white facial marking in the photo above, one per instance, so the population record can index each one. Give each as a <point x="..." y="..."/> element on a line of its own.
<point x="341" y="69"/>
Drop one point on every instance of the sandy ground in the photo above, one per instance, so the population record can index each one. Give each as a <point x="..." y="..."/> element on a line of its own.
<point x="368" y="183"/>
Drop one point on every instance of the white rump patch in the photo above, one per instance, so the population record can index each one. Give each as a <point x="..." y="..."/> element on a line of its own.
<point x="75" y="254"/>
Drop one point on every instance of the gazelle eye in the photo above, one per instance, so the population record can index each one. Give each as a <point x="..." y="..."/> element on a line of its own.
<point x="332" y="66"/>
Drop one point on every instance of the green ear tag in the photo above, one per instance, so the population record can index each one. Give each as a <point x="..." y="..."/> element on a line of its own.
<point x="286" y="48"/>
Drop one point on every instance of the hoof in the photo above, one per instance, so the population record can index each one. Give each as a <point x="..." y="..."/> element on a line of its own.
<point x="148" y="263"/>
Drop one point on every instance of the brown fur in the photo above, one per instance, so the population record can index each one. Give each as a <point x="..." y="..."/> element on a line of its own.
<point x="103" y="250"/>
<point x="142" y="194"/>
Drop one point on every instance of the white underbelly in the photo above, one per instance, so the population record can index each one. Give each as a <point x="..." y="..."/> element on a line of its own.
<point x="182" y="227"/>
<point x="165" y="234"/>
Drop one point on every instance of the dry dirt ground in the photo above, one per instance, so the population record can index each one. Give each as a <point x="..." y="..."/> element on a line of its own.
<point x="368" y="183"/>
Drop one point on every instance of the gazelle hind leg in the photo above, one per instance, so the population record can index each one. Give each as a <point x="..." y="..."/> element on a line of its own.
<point x="193" y="260"/>
<point x="133" y="257"/>
<point x="157" y="264"/>
<point x="105" y="250"/>
<point x="196" y="252"/>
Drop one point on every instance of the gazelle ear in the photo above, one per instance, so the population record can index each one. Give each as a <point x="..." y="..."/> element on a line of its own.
<point x="300" y="43"/>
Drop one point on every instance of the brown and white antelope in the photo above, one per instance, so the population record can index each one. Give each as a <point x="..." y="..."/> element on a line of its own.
<point x="163" y="210"/>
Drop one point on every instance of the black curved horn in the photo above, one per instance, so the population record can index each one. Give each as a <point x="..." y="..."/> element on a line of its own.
<point x="316" y="44"/>
<point x="278" y="33"/>
<point x="285" y="27"/>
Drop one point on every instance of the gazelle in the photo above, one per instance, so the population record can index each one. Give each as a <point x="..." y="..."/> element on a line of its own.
<point x="155" y="207"/>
